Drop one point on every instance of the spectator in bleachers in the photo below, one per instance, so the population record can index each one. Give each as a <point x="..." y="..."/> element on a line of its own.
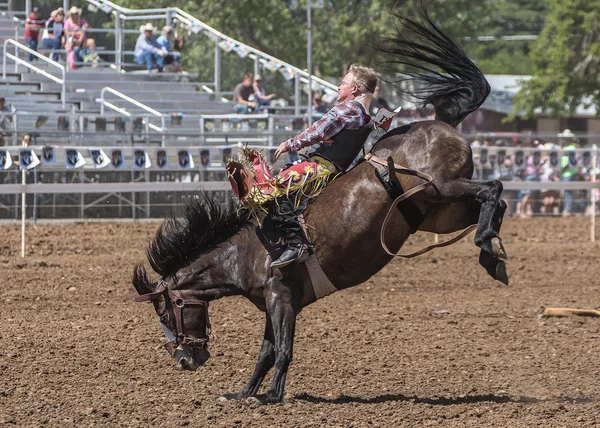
<point x="377" y="102"/>
<point x="570" y="170"/>
<point x="78" y="45"/>
<point x="173" y="59"/>
<point x="5" y="117"/>
<point x="260" y="94"/>
<point x="33" y="24"/>
<point x="53" y="37"/>
<point x="241" y="95"/>
<point x="533" y="172"/>
<point x="551" y="173"/>
<point x="147" y="50"/>
<point x="318" y="105"/>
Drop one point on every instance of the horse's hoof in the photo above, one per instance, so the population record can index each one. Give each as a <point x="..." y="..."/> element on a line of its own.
<point x="253" y="401"/>
<point x="498" y="249"/>
<point x="230" y="396"/>
<point x="501" y="274"/>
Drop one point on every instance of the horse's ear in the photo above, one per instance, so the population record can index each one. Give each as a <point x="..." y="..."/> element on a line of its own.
<point x="141" y="280"/>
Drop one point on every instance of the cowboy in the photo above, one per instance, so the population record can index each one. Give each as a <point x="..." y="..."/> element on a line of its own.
<point x="341" y="134"/>
<point x="147" y="50"/>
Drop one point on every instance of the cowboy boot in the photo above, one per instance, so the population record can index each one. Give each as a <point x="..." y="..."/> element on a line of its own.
<point x="295" y="251"/>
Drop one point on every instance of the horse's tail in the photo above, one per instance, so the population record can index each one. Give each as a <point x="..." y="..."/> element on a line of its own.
<point x="449" y="80"/>
<point x="141" y="279"/>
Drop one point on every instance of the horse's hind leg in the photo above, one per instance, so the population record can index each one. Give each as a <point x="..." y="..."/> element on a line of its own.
<point x="468" y="202"/>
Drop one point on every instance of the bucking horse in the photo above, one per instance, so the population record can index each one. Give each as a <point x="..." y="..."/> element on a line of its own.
<point x="213" y="250"/>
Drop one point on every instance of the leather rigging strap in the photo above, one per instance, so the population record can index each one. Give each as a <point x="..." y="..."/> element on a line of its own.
<point x="428" y="182"/>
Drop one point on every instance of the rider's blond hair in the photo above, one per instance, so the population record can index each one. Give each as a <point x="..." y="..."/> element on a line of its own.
<point x="365" y="78"/>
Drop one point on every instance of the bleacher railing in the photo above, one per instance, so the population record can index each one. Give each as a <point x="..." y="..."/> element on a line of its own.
<point x="32" y="67"/>
<point x="171" y="15"/>
<point x="130" y="100"/>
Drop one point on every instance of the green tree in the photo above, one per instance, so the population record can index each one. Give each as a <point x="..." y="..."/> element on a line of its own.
<point x="566" y="60"/>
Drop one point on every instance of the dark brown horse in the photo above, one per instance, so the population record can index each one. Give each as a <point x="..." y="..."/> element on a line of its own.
<point x="215" y="251"/>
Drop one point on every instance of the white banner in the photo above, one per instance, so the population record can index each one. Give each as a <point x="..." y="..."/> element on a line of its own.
<point x="5" y="159"/>
<point x="185" y="159"/>
<point x="117" y="159"/>
<point x="73" y="158"/>
<point x="28" y="159"/>
<point x="162" y="158"/>
<point x="99" y="158"/>
<point x="141" y="160"/>
<point x="48" y="155"/>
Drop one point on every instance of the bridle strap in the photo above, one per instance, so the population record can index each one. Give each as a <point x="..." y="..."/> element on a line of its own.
<point x="179" y="303"/>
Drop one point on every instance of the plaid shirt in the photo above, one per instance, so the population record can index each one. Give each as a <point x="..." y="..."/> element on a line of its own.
<point x="348" y="115"/>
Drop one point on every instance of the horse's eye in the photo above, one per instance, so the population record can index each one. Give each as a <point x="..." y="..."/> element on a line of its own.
<point x="164" y="318"/>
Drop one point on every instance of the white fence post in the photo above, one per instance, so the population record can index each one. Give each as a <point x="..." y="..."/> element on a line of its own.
<point x="593" y="192"/>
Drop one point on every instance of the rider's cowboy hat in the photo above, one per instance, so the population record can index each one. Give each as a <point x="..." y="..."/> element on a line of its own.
<point x="75" y="10"/>
<point x="148" y="27"/>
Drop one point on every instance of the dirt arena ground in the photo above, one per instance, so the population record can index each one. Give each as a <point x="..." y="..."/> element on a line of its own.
<point x="427" y="342"/>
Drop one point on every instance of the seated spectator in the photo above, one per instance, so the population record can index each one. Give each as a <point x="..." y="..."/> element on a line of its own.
<point x="33" y="24"/>
<point x="241" y="95"/>
<point x="147" y="50"/>
<point x="5" y="117"/>
<point x="377" y="102"/>
<point x="570" y="169"/>
<point x="318" y="105"/>
<point x="54" y="33"/>
<point x="533" y="172"/>
<point x="551" y="173"/>
<point x="77" y="45"/>
<point x="260" y="96"/>
<point x="172" y="59"/>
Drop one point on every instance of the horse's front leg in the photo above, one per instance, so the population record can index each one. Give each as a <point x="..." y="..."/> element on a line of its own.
<point x="283" y="320"/>
<point x="266" y="359"/>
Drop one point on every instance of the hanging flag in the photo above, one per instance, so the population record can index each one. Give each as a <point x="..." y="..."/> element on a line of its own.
<point x="48" y="156"/>
<point x="272" y="65"/>
<point x="226" y="45"/>
<point x="99" y="158"/>
<point x="141" y="160"/>
<point x="185" y="159"/>
<point x="28" y="159"/>
<point x="73" y="158"/>
<point x="241" y="51"/>
<point x="483" y="157"/>
<point x="205" y="156"/>
<point x="162" y="159"/>
<point x="225" y="154"/>
<point x="5" y="159"/>
<point x="117" y="159"/>
<point x="287" y="73"/>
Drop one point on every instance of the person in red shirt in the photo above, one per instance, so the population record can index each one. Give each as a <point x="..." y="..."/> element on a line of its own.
<point x="33" y="24"/>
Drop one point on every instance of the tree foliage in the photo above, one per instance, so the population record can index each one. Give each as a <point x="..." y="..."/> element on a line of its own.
<point x="566" y="60"/>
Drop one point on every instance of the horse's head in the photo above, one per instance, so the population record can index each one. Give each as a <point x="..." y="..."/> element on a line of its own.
<point x="182" y="316"/>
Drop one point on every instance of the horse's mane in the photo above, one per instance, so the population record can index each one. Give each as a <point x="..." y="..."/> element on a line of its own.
<point x="204" y="223"/>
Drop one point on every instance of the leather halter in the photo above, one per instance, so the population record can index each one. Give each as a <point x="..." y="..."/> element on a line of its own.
<point x="179" y="303"/>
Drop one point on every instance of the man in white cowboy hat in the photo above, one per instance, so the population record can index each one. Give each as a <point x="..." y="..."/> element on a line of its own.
<point x="147" y="50"/>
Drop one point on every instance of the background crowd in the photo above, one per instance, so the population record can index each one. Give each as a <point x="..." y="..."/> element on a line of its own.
<point x="538" y="160"/>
